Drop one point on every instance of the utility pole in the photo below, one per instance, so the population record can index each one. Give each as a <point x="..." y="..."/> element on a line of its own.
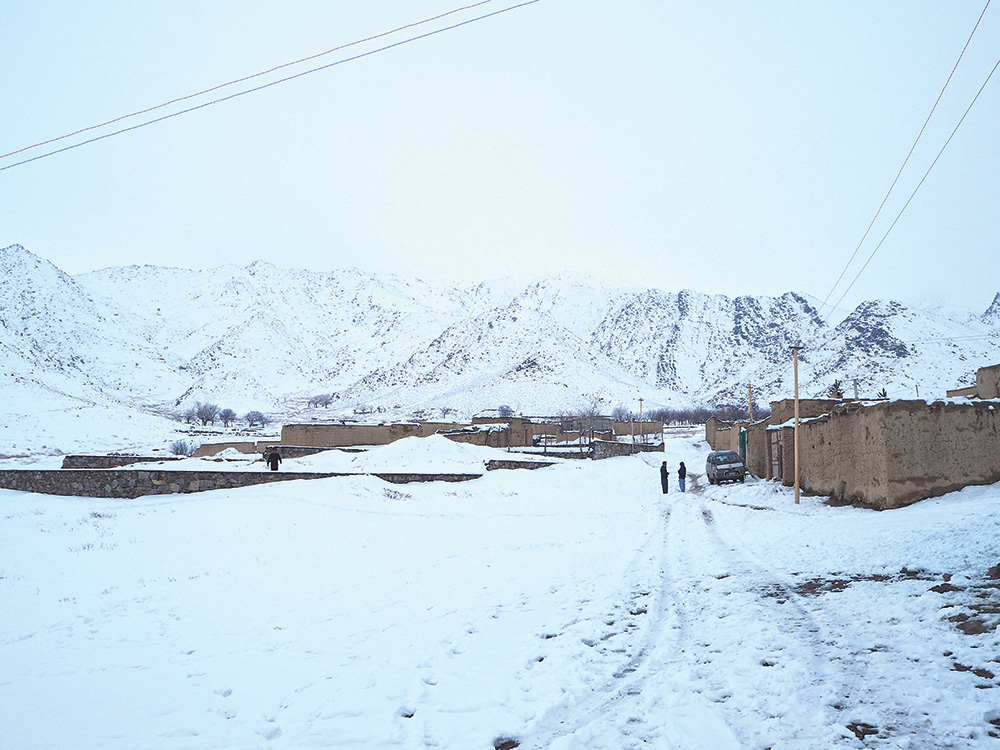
<point x="750" y="402"/>
<point x="642" y="432"/>
<point x="795" y="359"/>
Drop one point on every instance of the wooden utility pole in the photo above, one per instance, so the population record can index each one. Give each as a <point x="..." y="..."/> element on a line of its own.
<point x="795" y="359"/>
<point x="642" y="432"/>
<point x="750" y="402"/>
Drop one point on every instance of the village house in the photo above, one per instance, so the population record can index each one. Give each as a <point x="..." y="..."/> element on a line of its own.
<point x="491" y="431"/>
<point x="880" y="453"/>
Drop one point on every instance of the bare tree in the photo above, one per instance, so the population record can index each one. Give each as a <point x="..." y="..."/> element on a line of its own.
<point x="255" y="418"/>
<point x="227" y="417"/>
<point x="505" y="411"/>
<point x="622" y="414"/>
<point x="206" y="412"/>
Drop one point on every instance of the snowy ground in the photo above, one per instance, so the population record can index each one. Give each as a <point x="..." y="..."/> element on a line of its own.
<point x="569" y="607"/>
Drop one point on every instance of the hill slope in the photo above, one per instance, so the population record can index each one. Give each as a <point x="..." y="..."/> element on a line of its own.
<point x="266" y="337"/>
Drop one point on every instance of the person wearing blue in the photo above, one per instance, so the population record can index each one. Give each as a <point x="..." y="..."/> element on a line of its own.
<point x="682" y="475"/>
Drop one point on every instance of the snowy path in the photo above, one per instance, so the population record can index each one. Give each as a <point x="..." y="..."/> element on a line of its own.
<point x="738" y="653"/>
<point x="566" y="608"/>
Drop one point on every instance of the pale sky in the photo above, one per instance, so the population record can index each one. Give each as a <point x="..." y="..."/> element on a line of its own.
<point x="726" y="147"/>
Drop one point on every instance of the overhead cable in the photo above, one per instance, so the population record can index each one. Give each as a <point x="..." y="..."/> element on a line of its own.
<point x="240" y="80"/>
<point x="919" y="184"/>
<point x="905" y="161"/>
<point x="261" y="87"/>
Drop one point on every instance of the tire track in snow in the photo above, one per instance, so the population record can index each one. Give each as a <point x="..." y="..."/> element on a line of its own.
<point x="777" y="669"/>
<point x="641" y="704"/>
<point x="855" y="677"/>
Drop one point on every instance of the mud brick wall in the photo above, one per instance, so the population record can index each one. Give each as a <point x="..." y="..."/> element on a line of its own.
<point x="897" y="453"/>
<point x="343" y="435"/>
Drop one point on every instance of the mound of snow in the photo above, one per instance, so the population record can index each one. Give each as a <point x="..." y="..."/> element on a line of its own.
<point x="430" y="455"/>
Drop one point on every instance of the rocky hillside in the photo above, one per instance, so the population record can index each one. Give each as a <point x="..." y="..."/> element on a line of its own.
<point x="267" y="337"/>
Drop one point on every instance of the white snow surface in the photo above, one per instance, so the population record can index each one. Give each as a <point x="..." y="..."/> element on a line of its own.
<point x="568" y="607"/>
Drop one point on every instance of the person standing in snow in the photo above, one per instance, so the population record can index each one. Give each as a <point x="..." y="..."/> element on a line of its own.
<point x="273" y="458"/>
<point x="664" y="477"/>
<point x="682" y="475"/>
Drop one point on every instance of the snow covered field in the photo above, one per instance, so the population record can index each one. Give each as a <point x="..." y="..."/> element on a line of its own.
<point x="570" y="607"/>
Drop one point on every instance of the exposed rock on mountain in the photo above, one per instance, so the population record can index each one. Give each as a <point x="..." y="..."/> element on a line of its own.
<point x="268" y="337"/>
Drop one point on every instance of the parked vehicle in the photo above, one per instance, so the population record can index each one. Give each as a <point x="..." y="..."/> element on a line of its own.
<point x="725" y="466"/>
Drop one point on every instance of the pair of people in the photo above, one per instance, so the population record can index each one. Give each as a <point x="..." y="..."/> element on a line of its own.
<point x="665" y="477"/>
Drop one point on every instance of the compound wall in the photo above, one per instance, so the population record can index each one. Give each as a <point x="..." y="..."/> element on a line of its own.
<point x="893" y="454"/>
<point x="132" y="483"/>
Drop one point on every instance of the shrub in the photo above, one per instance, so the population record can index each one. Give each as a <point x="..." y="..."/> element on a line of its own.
<point x="182" y="448"/>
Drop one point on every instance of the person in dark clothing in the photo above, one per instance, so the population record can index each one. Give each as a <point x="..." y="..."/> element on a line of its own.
<point x="273" y="458"/>
<point x="664" y="477"/>
<point x="682" y="475"/>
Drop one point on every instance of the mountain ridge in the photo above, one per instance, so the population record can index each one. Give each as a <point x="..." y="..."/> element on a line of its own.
<point x="262" y="336"/>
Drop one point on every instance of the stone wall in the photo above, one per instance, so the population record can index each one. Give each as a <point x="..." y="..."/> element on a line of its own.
<point x="494" y="464"/>
<point x="601" y="449"/>
<point x="256" y="449"/>
<point x="295" y="451"/>
<point x="110" y="461"/>
<point x="132" y="483"/>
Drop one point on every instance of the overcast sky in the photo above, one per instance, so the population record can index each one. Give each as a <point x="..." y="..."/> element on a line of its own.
<point x="734" y="148"/>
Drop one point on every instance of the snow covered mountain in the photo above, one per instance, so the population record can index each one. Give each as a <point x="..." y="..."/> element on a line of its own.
<point x="266" y="337"/>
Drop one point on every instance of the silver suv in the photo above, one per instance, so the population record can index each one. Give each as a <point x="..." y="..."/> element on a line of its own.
<point x="725" y="466"/>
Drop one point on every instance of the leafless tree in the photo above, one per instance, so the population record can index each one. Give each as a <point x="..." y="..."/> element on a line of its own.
<point x="206" y="412"/>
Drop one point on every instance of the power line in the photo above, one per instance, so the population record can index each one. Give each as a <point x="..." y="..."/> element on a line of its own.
<point x="906" y="160"/>
<point x="261" y="87"/>
<point x="952" y="339"/>
<point x="240" y="80"/>
<point x="919" y="184"/>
